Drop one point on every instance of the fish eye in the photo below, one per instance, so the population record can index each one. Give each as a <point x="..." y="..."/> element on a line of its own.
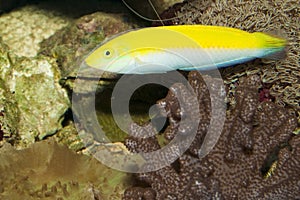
<point x="108" y="53"/>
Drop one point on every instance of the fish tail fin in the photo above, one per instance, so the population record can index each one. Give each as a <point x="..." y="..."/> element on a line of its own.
<point x="275" y="46"/>
<point x="270" y="41"/>
<point x="278" y="54"/>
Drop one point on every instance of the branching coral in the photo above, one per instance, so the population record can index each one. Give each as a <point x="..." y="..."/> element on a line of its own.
<point x="256" y="157"/>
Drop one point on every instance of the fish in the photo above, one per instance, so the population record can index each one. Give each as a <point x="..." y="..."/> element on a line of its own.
<point x="182" y="47"/>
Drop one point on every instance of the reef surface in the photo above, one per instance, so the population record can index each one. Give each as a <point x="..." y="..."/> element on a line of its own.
<point x="256" y="156"/>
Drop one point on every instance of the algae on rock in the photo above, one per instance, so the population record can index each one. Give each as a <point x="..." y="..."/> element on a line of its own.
<point x="32" y="84"/>
<point x="72" y="43"/>
<point x="24" y="28"/>
<point x="9" y="112"/>
<point x="68" y="135"/>
<point x="9" y="115"/>
<point x="41" y="100"/>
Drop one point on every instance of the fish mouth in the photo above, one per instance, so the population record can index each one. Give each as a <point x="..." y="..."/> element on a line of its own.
<point x="87" y="72"/>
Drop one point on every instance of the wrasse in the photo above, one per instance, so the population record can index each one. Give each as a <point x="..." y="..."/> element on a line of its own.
<point x="183" y="47"/>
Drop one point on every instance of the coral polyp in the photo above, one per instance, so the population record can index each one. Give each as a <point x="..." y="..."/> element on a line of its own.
<point x="256" y="157"/>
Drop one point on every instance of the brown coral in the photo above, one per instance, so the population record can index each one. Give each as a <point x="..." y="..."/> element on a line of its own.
<point x="286" y="175"/>
<point x="256" y="157"/>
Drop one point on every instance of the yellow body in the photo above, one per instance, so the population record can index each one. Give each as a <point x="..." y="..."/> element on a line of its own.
<point x="225" y="37"/>
<point x="137" y="46"/>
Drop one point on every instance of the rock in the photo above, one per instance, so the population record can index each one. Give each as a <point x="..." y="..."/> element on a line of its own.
<point x="9" y="115"/>
<point x="33" y="84"/>
<point x="68" y="136"/>
<point x="71" y="44"/>
<point x="9" y="112"/>
<point x="23" y="29"/>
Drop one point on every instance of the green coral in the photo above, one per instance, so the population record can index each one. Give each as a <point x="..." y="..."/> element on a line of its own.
<point x="47" y="170"/>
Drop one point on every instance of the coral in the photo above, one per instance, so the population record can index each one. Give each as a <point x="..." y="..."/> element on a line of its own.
<point x="264" y="95"/>
<point x="47" y="170"/>
<point x="256" y="156"/>
<point x="277" y="17"/>
<point x="284" y="181"/>
<point x="207" y="97"/>
<point x="139" y="193"/>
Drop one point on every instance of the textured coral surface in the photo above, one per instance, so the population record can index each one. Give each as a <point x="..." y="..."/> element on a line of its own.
<point x="256" y="156"/>
<point x="279" y="17"/>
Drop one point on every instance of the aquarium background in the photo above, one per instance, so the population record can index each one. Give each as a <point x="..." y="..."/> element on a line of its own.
<point x="45" y="154"/>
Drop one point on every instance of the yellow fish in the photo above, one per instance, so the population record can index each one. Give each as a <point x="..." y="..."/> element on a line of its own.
<point x="183" y="47"/>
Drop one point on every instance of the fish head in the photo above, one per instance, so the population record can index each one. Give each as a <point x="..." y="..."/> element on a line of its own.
<point x="112" y="56"/>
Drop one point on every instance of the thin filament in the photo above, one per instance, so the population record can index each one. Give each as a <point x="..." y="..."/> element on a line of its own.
<point x="146" y="18"/>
